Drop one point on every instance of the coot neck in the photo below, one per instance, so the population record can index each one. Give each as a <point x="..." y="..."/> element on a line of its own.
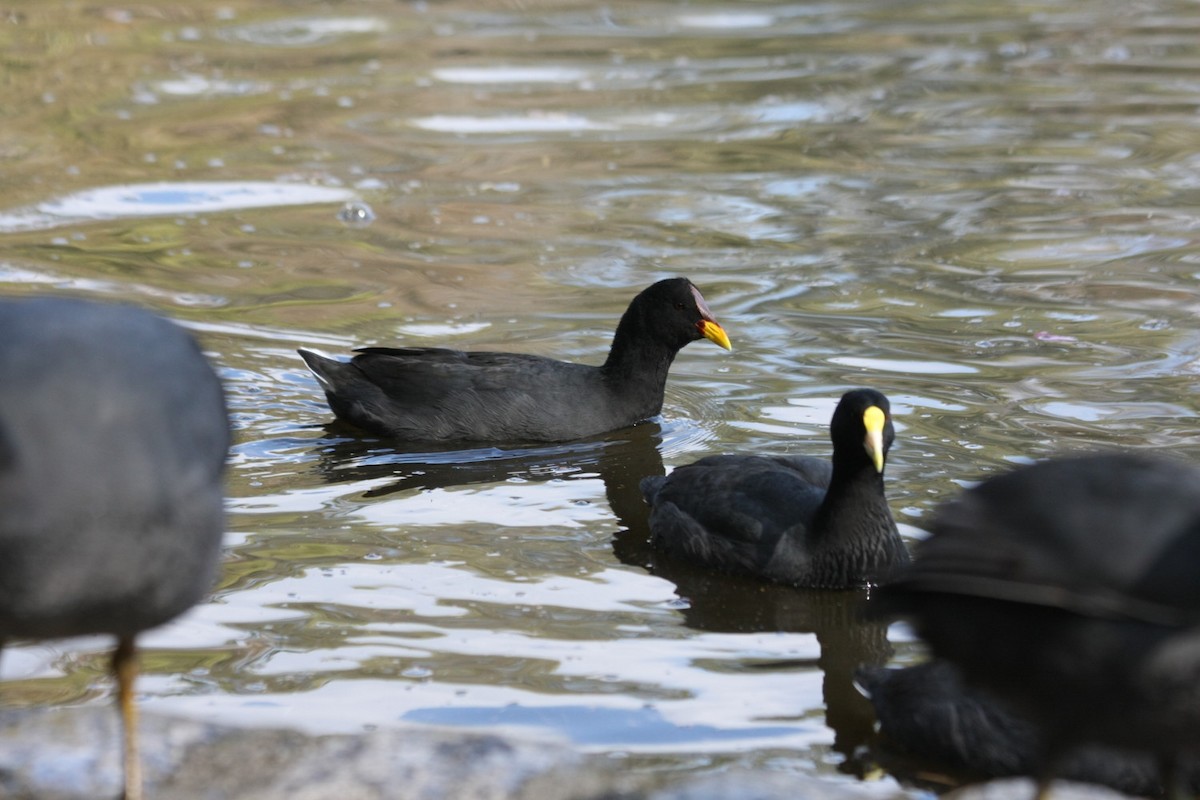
<point x="638" y="362"/>
<point x="853" y="538"/>
<point x="855" y="488"/>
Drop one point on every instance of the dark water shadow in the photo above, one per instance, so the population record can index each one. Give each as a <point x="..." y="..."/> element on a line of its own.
<point x="728" y="604"/>
<point x="615" y="457"/>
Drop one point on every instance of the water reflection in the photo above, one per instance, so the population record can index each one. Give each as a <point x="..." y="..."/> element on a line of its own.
<point x="642" y="727"/>
<point x="708" y="602"/>
<point x="715" y="602"/>
<point x="164" y="199"/>
<point x="346" y="455"/>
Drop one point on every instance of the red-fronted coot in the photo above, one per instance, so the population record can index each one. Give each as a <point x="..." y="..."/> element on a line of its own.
<point x="425" y="394"/>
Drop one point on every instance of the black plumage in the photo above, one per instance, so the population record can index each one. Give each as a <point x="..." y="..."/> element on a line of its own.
<point x="794" y="520"/>
<point x="113" y="435"/>
<point x="1071" y="589"/>
<point x="927" y="711"/>
<point x="930" y="720"/>
<point x="424" y="394"/>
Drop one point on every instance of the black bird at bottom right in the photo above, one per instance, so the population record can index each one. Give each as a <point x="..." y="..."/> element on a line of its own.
<point x="1070" y="588"/>
<point x="934" y="729"/>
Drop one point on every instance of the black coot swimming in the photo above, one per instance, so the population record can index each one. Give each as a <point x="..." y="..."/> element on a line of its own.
<point x="1071" y="589"/>
<point x="113" y="436"/>
<point x="793" y="520"/>
<point x="425" y="394"/>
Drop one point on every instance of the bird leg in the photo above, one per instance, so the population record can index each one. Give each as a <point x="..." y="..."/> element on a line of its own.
<point x="1044" y="776"/>
<point x="1173" y="778"/>
<point x="124" y="665"/>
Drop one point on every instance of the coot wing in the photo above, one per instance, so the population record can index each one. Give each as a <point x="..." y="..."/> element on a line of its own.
<point x="419" y="375"/>
<point x="732" y="511"/>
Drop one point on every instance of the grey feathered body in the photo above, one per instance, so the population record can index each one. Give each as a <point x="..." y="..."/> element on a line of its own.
<point x="113" y="437"/>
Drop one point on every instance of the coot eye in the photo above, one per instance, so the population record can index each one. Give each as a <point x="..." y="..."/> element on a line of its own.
<point x="679" y="306"/>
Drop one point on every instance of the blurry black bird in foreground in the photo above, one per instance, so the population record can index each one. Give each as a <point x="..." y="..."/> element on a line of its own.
<point x="1071" y="590"/>
<point x="931" y="722"/>
<point x="113" y="435"/>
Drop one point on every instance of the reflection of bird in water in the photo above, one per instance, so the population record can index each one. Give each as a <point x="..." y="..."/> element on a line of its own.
<point x="616" y="457"/>
<point x="436" y="395"/>
<point x="715" y="602"/>
<point x="725" y="603"/>
<point x="1071" y="589"/>
<point x="113" y="437"/>
<point x="792" y="520"/>
<point x="931" y="724"/>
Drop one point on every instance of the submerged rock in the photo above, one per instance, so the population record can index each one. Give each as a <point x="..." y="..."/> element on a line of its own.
<point x="74" y="754"/>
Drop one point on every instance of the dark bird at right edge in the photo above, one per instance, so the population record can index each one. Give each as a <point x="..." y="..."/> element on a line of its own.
<point x="436" y="395"/>
<point x="794" y="520"/>
<point x="1070" y="590"/>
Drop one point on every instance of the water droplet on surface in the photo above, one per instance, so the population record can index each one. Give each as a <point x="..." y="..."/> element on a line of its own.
<point x="356" y="214"/>
<point x="417" y="672"/>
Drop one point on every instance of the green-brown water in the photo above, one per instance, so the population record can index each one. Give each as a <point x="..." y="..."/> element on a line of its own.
<point x="987" y="210"/>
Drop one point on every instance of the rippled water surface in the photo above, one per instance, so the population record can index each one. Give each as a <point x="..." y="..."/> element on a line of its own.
<point x="987" y="210"/>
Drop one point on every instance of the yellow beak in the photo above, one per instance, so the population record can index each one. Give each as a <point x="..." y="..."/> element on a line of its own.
<point x="874" y="420"/>
<point x="710" y="330"/>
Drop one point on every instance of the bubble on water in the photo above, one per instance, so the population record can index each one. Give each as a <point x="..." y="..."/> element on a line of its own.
<point x="356" y="214"/>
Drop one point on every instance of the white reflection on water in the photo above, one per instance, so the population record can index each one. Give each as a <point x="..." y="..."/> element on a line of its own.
<point x="1070" y="252"/>
<point x="298" y="500"/>
<point x="441" y="329"/>
<point x="557" y="503"/>
<point x="191" y="85"/>
<point x="121" y="290"/>
<point x="911" y="367"/>
<point x="501" y="73"/>
<point x="440" y="589"/>
<point x="533" y="122"/>
<point x="304" y="32"/>
<point x="725" y="20"/>
<point x="165" y="199"/>
<point x="697" y="726"/>
<point x="771" y="116"/>
<point x="812" y="415"/>
<point x="702" y="693"/>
